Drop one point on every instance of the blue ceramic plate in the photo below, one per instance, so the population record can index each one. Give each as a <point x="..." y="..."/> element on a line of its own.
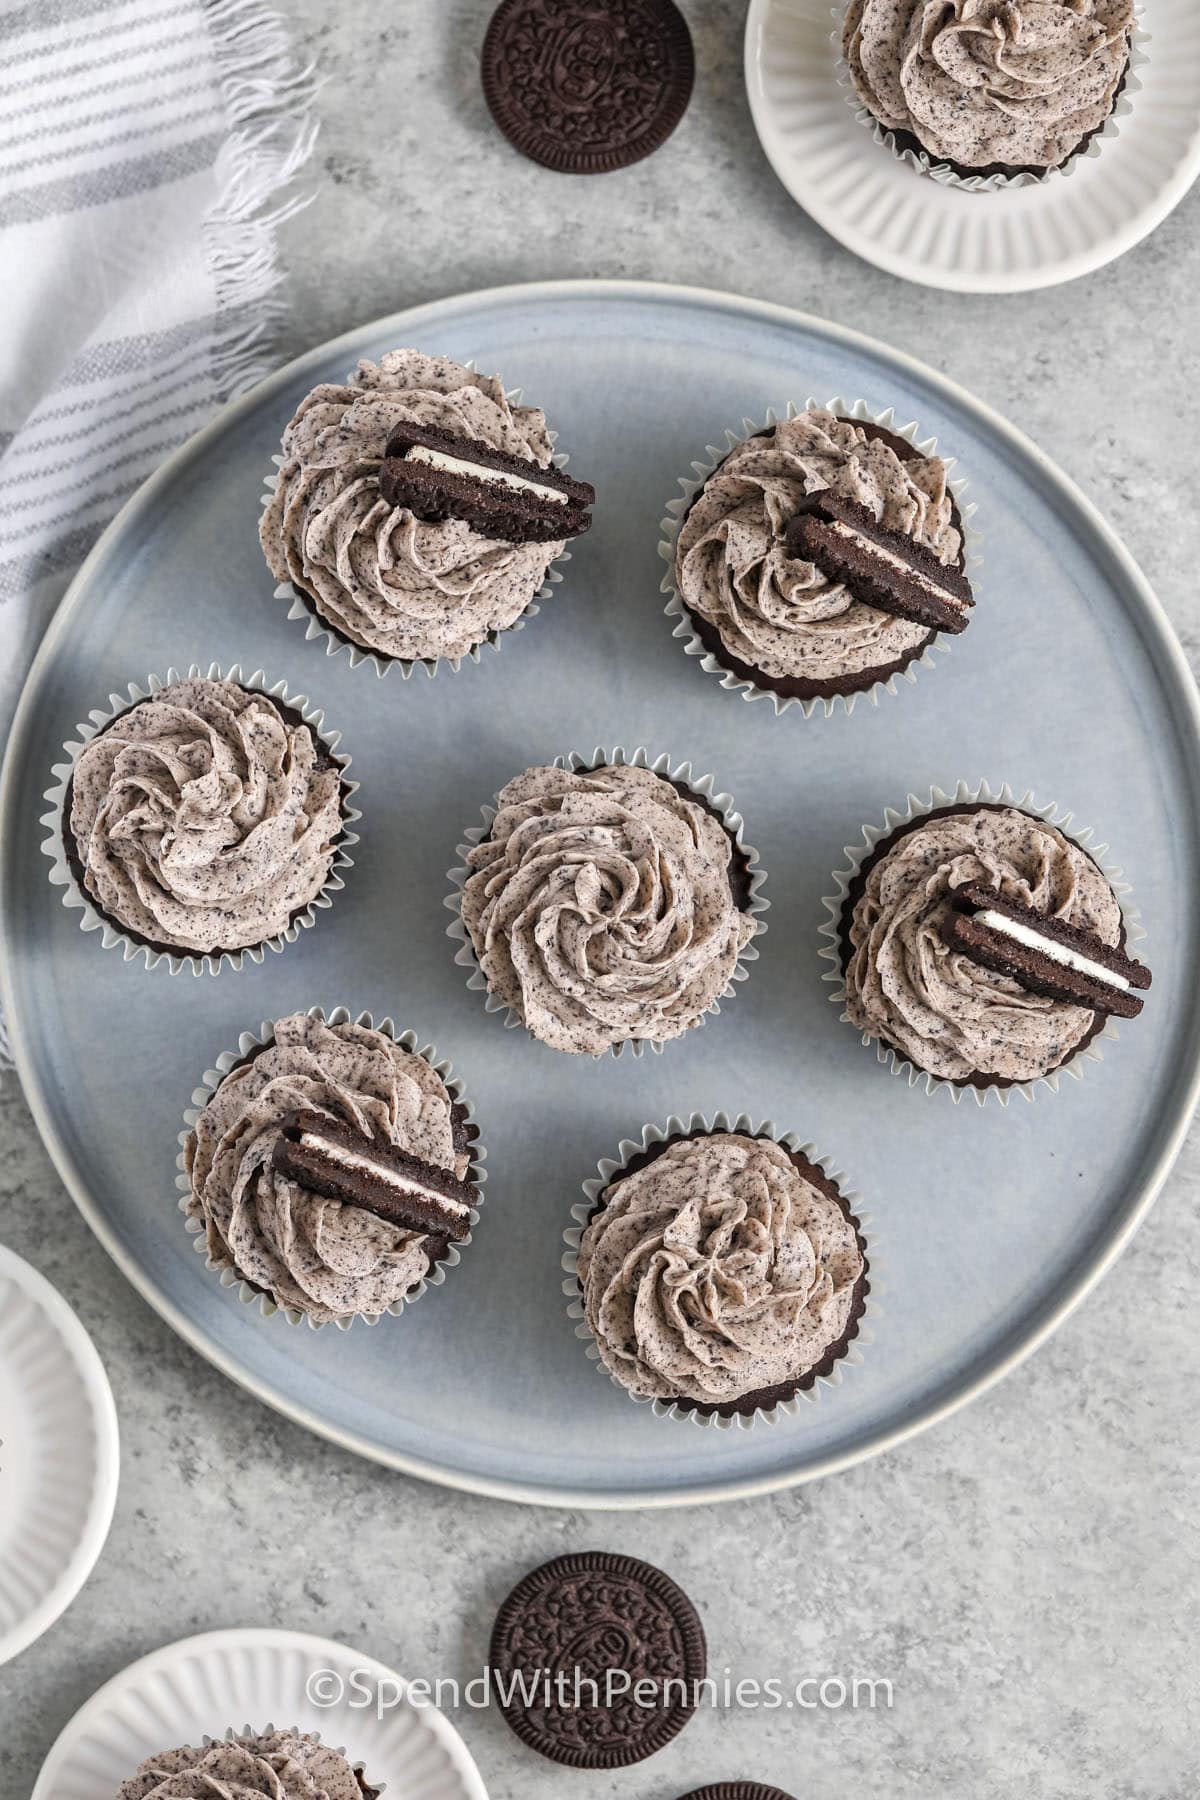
<point x="992" y="1222"/>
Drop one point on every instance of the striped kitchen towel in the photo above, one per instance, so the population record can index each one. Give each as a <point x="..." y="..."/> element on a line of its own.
<point x="147" y="152"/>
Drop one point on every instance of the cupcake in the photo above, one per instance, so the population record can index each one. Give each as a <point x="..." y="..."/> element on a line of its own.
<point x="292" y="1765"/>
<point x="721" y="1272"/>
<point x="989" y="88"/>
<point x="609" y="903"/>
<point x="331" y="1169"/>
<point x="982" y="946"/>
<point x="404" y="516"/>
<point x="793" y="618"/>
<point x="202" y="821"/>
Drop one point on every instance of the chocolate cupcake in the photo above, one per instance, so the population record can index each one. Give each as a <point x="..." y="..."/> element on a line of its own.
<point x="990" y="91"/>
<point x="719" y="1269"/>
<point x="330" y="1168"/>
<point x="201" y="821"/>
<point x="979" y="945"/>
<point x="416" y="512"/>
<point x="244" y="1765"/>
<point x="808" y="610"/>
<point x="607" y="901"/>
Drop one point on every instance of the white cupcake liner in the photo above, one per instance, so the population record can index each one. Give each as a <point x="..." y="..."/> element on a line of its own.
<point x="704" y="787"/>
<point x="925" y="164"/>
<point x="697" y="1125"/>
<point x="111" y="935"/>
<point x="690" y="486"/>
<point x="336" y="641"/>
<point x="916" y="808"/>
<point x="248" y="1044"/>
<point x="234" y="1734"/>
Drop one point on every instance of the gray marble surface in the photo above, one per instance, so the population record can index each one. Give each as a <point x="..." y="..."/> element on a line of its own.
<point x="1024" y="1574"/>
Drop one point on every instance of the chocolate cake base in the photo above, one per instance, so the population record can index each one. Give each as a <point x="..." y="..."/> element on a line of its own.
<point x="845" y="949"/>
<point x="804" y="687"/>
<point x="326" y="759"/>
<point x="762" y="1399"/>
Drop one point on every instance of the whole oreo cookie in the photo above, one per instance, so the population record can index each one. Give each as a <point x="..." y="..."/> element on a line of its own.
<point x="577" y="1650"/>
<point x="737" y="1790"/>
<point x="587" y="86"/>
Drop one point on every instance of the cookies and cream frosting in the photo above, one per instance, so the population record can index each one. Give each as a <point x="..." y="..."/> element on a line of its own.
<point x="600" y="907"/>
<point x="1019" y="83"/>
<point x="318" y="1256"/>
<point x="204" y="818"/>
<point x="948" y="1014"/>
<point x="716" y="1270"/>
<point x="283" y="1765"/>
<point x="779" y="614"/>
<point x="390" y="582"/>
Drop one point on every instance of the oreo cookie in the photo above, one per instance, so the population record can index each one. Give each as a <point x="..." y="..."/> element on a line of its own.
<point x="595" y="1660"/>
<point x="886" y="569"/>
<point x="439" y="475"/>
<point x="331" y="1157"/>
<point x="737" y="1790"/>
<point x="587" y="86"/>
<point x="1045" y="954"/>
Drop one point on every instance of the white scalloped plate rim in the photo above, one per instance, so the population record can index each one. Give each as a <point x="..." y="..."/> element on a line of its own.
<point x="1008" y="242"/>
<point x="99" y="1456"/>
<point x="167" y="1698"/>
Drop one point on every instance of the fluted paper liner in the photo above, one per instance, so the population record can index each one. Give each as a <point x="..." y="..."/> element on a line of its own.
<point x="302" y="607"/>
<point x="704" y="788"/>
<point x="249" y="1293"/>
<point x="700" y="1125"/>
<point x="234" y="1734"/>
<point x="112" y="937"/>
<point x="690" y="486"/>
<point x="926" y="164"/>
<point x="915" y="808"/>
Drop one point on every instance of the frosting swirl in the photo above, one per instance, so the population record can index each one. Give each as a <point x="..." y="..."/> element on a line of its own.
<point x="283" y="1765"/>
<point x="947" y="1014"/>
<point x="393" y="583"/>
<point x="600" y="907"/>
<point x="784" y="617"/>
<point x="717" y="1270"/>
<point x="1019" y="83"/>
<point x="205" y="818"/>
<point x="318" y="1256"/>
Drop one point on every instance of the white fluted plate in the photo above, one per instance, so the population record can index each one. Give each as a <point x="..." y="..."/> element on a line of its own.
<point x="201" y="1685"/>
<point x="58" y="1455"/>
<point x="992" y="243"/>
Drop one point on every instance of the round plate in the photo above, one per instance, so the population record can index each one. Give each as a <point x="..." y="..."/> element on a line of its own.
<point x="59" y="1455"/>
<point x="203" y="1685"/>
<point x="992" y="1222"/>
<point x="1001" y="243"/>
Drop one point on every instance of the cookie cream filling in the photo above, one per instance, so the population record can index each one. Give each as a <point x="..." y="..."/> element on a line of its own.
<point x="403" y="1184"/>
<point x="895" y="561"/>
<point x="462" y="465"/>
<point x="1050" y="948"/>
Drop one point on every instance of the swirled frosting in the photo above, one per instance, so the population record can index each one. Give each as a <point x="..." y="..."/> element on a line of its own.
<point x="600" y="907"/>
<point x="283" y="1765"/>
<point x="1018" y="83"/>
<point x="205" y="818"/>
<point x="947" y="1014"/>
<point x="783" y="616"/>
<point x="716" y="1270"/>
<point x="388" y="581"/>
<point x="318" y="1256"/>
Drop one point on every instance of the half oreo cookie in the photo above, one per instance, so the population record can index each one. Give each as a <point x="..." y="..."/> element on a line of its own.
<point x="328" y="1156"/>
<point x="1046" y="955"/>
<point x="438" y="475"/>
<point x="886" y="569"/>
